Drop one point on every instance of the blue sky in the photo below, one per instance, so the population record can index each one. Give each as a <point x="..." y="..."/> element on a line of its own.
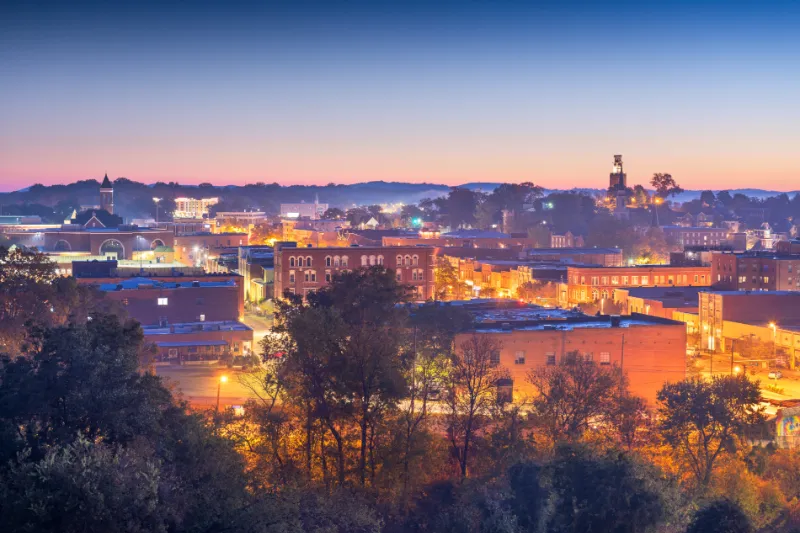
<point x="447" y="92"/>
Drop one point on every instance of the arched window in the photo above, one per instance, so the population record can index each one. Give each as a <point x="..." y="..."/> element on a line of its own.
<point x="62" y="246"/>
<point x="605" y="294"/>
<point x="291" y="261"/>
<point x="328" y="261"/>
<point x="380" y="260"/>
<point x="372" y="260"/>
<point x="308" y="261"/>
<point x="336" y="261"/>
<point x="344" y="260"/>
<point x="415" y="260"/>
<point x="299" y="261"/>
<point x="363" y="260"/>
<point x="399" y="260"/>
<point x="595" y="294"/>
<point x="407" y="260"/>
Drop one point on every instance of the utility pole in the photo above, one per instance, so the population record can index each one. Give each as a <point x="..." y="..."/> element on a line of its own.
<point x="622" y="362"/>
<point x="733" y="343"/>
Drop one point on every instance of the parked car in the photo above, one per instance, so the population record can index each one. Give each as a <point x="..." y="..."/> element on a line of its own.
<point x="775" y="374"/>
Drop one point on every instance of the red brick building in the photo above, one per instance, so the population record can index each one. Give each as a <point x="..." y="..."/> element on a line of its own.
<point x="195" y="248"/>
<point x="156" y="302"/>
<point x="756" y="271"/>
<point x="302" y="270"/>
<point x="650" y="350"/>
<point x="591" y="283"/>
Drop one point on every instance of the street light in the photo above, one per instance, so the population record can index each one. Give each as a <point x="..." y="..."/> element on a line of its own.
<point x="222" y="379"/>
<point x="156" y="200"/>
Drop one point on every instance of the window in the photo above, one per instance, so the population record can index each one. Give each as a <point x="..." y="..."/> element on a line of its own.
<point x="635" y="280"/>
<point x="364" y="260"/>
<point x="494" y="357"/>
<point x="624" y="280"/>
<point x="551" y="359"/>
<point x="313" y="276"/>
<point x="399" y="275"/>
<point x="336" y="262"/>
<point x="645" y="280"/>
<point x="328" y="277"/>
<point x="300" y="261"/>
<point x="380" y="260"/>
<point x="372" y="260"/>
<point x="588" y="356"/>
<point x="614" y="280"/>
<point x="519" y="357"/>
<point x="308" y="261"/>
<point x="291" y="261"/>
<point x="505" y="390"/>
<point x="163" y="301"/>
<point x="291" y="276"/>
<point x="695" y="278"/>
<point x="414" y="275"/>
<point x="344" y="260"/>
<point x="415" y="260"/>
<point x="605" y="358"/>
<point x="328" y="261"/>
<point x="202" y="318"/>
<point x="307" y="275"/>
<point x="407" y="260"/>
<point x="595" y="280"/>
<point x="399" y="260"/>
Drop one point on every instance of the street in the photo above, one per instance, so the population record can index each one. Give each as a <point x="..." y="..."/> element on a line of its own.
<point x="261" y="326"/>
<point x="788" y="387"/>
<point x="198" y="385"/>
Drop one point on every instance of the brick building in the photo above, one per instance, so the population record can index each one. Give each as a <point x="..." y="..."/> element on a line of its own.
<point x="755" y="271"/>
<point x="197" y="248"/>
<point x="650" y="350"/>
<point x="463" y="238"/>
<point x="157" y="302"/>
<point x="591" y="283"/>
<point x="697" y="236"/>
<point x="199" y="341"/>
<point x="663" y="302"/>
<point x="302" y="270"/>
<point x="123" y="242"/>
<point x="586" y="256"/>
<point x="725" y="316"/>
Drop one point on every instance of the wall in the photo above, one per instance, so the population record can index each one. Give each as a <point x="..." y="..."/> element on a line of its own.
<point x="184" y="304"/>
<point x="652" y="355"/>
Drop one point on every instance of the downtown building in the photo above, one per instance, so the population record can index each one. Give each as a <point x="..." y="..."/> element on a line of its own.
<point x="650" y="350"/>
<point x="756" y="271"/>
<point x="591" y="283"/>
<point x="304" y="270"/>
<point x="186" y="320"/>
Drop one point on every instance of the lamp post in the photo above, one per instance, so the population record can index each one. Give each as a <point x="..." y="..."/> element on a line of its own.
<point x="222" y="379"/>
<point x="774" y="339"/>
<point x="156" y="200"/>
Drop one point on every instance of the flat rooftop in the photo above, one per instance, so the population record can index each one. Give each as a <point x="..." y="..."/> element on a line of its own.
<point x="572" y="251"/>
<point x="186" y="328"/>
<point x="150" y="283"/>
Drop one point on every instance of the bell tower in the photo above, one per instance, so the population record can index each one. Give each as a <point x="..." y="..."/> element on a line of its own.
<point x="617" y="179"/>
<point x="107" y="195"/>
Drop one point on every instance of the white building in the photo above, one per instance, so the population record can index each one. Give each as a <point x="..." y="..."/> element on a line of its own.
<point x="313" y="211"/>
<point x="192" y="207"/>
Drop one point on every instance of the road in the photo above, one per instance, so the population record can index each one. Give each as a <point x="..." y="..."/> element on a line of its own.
<point x="198" y="385"/>
<point x="261" y="326"/>
<point x="789" y="383"/>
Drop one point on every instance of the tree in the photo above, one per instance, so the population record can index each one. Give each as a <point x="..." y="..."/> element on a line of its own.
<point x="569" y="396"/>
<point x="447" y="285"/>
<point x="533" y="291"/>
<point x="720" y="516"/>
<point x="461" y="205"/>
<point x="640" y="195"/>
<point x="333" y="213"/>
<point x="265" y="234"/>
<point x="707" y="198"/>
<point x="700" y="420"/>
<point x="665" y="185"/>
<point x="507" y="196"/>
<point x="725" y="198"/>
<point x="471" y="387"/>
<point x="342" y="359"/>
<point x="600" y="493"/>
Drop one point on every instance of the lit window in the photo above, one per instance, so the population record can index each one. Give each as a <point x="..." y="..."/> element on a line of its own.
<point x="163" y="301"/>
<point x="399" y="275"/>
<point x="202" y="318"/>
<point x="519" y="357"/>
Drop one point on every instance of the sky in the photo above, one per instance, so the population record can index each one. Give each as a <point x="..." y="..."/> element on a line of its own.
<point x="312" y="92"/>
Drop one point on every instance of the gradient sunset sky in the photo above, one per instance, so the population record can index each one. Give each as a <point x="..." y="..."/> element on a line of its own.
<point x="443" y="92"/>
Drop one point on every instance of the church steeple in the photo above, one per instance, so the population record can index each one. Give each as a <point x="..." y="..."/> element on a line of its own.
<point x="107" y="195"/>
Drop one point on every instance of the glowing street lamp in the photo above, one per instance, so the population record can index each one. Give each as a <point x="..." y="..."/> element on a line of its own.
<point x="222" y="379"/>
<point x="156" y="200"/>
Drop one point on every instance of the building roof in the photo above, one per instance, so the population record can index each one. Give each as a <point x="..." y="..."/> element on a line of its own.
<point x="150" y="283"/>
<point x="180" y="344"/>
<point x="186" y="328"/>
<point x="106" y="183"/>
<point x="476" y="234"/>
<point x="670" y="297"/>
<point x="573" y="251"/>
<point x="106" y="219"/>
